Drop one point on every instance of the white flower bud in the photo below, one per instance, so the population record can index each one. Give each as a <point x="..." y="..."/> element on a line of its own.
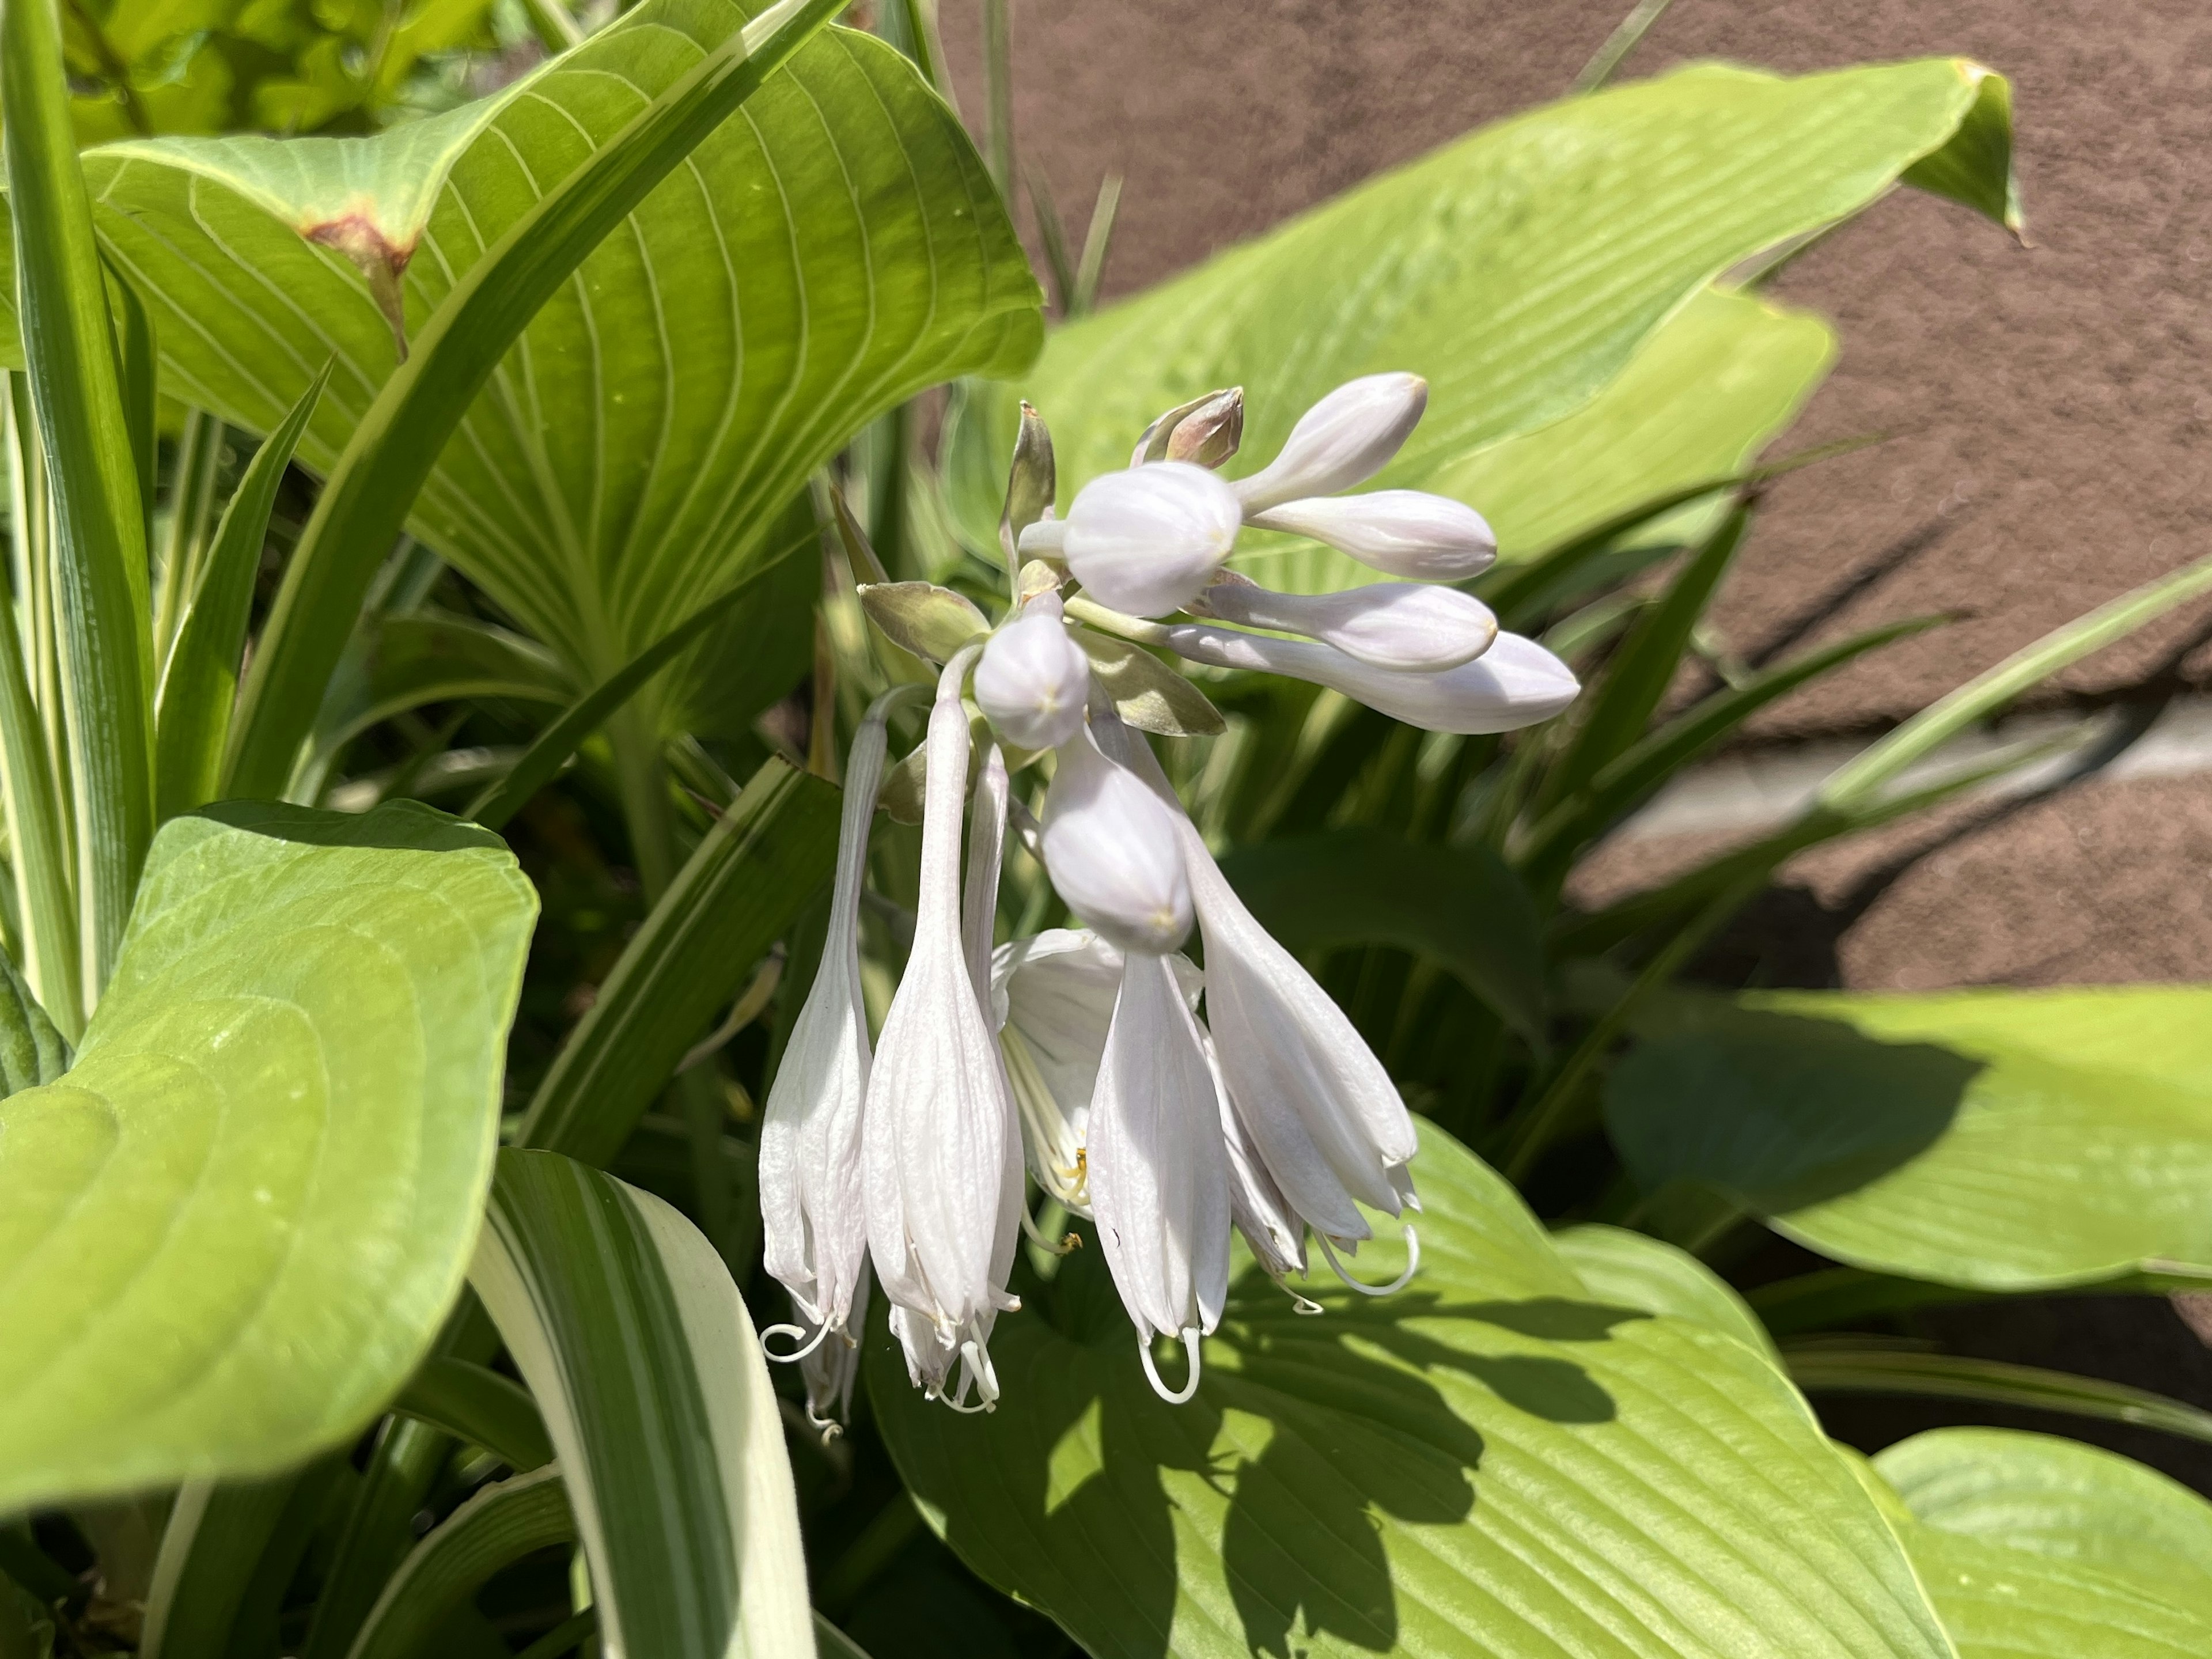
<point x="1344" y="440"/>
<point x="1111" y="848"/>
<point x="1145" y="541"/>
<point x="1034" y="679"/>
<point x="1401" y="625"/>
<point x="1406" y="532"/>
<point x="1516" y="682"/>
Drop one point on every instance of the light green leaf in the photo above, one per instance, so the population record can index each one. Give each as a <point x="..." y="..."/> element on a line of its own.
<point x="1846" y="1364"/>
<point x="812" y="262"/>
<point x="1460" y="906"/>
<point x="623" y="1320"/>
<point x="30" y="1051"/>
<point x="2037" y="1548"/>
<point x="1634" y="1270"/>
<point x="923" y="619"/>
<point x="1147" y="693"/>
<point x="1521" y="269"/>
<point x="234" y="1226"/>
<point x="754" y="872"/>
<point x="2004" y="1140"/>
<point x="1493" y="1461"/>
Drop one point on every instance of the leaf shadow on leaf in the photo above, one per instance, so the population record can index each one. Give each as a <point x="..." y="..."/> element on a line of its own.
<point x="1307" y="1439"/>
<point x="1778" y="1110"/>
<point x="402" y="825"/>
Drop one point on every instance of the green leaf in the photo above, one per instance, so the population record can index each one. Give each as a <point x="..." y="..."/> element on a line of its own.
<point x="30" y="1051"/>
<point x="1633" y="1270"/>
<point x="2004" y="1141"/>
<point x="811" y="263"/>
<point x="98" y="517"/>
<point x="2035" y="1548"/>
<point x="474" y="1404"/>
<point x="1492" y="1460"/>
<point x="199" y="686"/>
<point x="1146" y="692"/>
<point x="623" y="1320"/>
<point x="1521" y="269"/>
<point x="1460" y="906"/>
<point x="1860" y="1366"/>
<point x="747" y="881"/>
<point x="211" y="1548"/>
<point x="497" y="1527"/>
<point x="234" y="1226"/>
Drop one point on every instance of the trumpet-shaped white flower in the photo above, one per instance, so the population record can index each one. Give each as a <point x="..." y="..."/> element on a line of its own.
<point x="1145" y="541"/>
<point x="1343" y="440"/>
<point x="1052" y="999"/>
<point x="1393" y="625"/>
<point x="814" y="1234"/>
<point x="940" y="1151"/>
<point x="1516" y="682"/>
<point x="1159" y="1173"/>
<point x="1110" y="848"/>
<point x="1034" y="680"/>
<point x="1407" y="533"/>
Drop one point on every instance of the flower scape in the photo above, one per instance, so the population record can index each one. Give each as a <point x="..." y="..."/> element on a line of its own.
<point x="1166" y="1103"/>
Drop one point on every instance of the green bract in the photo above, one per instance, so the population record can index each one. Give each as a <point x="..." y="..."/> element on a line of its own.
<point x="234" y="1226"/>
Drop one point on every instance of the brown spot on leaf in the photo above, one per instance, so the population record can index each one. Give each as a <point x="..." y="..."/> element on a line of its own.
<point x="382" y="262"/>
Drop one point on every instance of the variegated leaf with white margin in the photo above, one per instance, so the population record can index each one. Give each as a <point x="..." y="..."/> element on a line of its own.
<point x="624" y="1322"/>
<point x="827" y="253"/>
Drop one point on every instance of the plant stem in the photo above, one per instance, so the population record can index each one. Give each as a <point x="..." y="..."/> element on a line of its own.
<point x="1618" y="45"/>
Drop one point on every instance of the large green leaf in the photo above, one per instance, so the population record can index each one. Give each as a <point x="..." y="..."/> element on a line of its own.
<point x="1491" y="1461"/>
<point x="1999" y="1140"/>
<point x="818" y="258"/>
<point x="2038" y="1549"/>
<point x="623" y="1320"/>
<point x="1520" y="269"/>
<point x="233" y="1227"/>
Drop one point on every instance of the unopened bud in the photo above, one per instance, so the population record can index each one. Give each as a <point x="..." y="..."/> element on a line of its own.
<point x="1344" y="440"/>
<point x="1514" y="683"/>
<point x="1406" y="532"/>
<point x="1401" y="625"/>
<point x="1206" y="431"/>
<point x="1034" y="679"/>
<point x="1146" y="540"/>
<point x="1030" y="482"/>
<point x="1112" y="850"/>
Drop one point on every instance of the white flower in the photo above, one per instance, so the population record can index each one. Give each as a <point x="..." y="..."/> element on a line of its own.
<point x="1516" y="682"/>
<point x="1109" y="846"/>
<point x="831" y="1366"/>
<point x="1256" y="1204"/>
<point x="941" y="1153"/>
<point x="1159" y="1174"/>
<point x="1407" y="533"/>
<point x="813" y="1233"/>
<point x="1145" y="541"/>
<point x="1034" y="679"/>
<point x="1343" y="440"/>
<point x="1396" y="625"/>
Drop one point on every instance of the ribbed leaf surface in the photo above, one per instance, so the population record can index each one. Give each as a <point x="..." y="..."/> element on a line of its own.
<point x="2039" y="1548"/>
<point x="825" y="253"/>
<point x="233" y="1227"/>
<point x="1494" y="1461"/>
<point x="2004" y="1140"/>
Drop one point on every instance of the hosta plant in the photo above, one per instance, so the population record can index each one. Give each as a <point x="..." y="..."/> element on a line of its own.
<point x="1120" y="1127"/>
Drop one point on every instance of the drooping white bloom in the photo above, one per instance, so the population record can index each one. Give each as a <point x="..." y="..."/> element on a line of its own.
<point x="1341" y="442"/>
<point x="1159" y="1173"/>
<point x="829" y="1368"/>
<point x="1516" y="682"/>
<point x="1033" y="680"/>
<point x="1052" y="997"/>
<point x="1145" y="541"/>
<point x="1110" y="848"/>
<point x="1256" y="1204"/>
<point x="987" y="847"/>
<point x="1394" y="625"/>
<point x="941" y="1154"/>
<point x="1323" y="1115"/>
<point x="1407" y="533"/>
<point x="814" y="1234"/>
